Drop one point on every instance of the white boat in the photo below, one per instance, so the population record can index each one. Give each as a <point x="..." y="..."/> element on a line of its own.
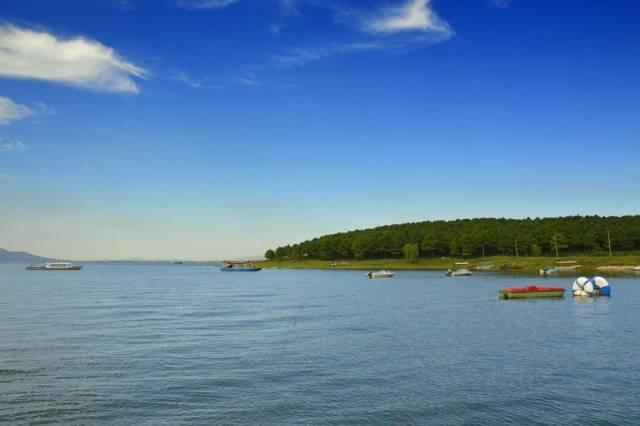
<point x="568" y="265"/>
<point x="380" y="274"/>
<point x="637" y="269"/>
<point x="484" y="266"/>
<point x="459" y="273"/>
<point x="54" y="266"/>
<point x="548" y="270"/>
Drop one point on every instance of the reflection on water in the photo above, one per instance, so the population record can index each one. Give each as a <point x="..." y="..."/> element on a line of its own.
<point x="160" y="344"/>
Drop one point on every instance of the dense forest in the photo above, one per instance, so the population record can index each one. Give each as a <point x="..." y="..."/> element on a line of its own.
<point x="474" y="238"/>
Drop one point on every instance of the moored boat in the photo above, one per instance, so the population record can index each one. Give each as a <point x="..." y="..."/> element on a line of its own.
<point x="459" y="273"/>
<point x="568" y="265"/>
<point x="380" y="274"/>
<point x="530" y="292"/>
<point x="54" y="266"/>
<point x="484" y="266"/>
<point x="548" y="270"/>
<point x="637" y="269"/>
<point x="460" y="269"/>
<point x="239" y="266"/>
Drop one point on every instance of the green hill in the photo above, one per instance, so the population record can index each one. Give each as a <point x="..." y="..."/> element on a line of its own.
<point x="474" y="238"/>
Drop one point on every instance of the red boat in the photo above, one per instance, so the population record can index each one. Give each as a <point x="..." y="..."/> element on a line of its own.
<point x="530" y="291"/>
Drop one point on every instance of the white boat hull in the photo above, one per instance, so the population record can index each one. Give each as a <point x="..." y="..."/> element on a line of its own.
<point x="381" y="274"/>
<point x="459" y="273"/>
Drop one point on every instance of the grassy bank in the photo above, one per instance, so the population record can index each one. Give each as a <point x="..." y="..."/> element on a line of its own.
<point x="504" y="263"/>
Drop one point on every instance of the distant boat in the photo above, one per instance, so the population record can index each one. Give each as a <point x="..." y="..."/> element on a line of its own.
<point x="381" y="274"/>
<point x="239" y="266"/>
<point x="178" y="262"/>
<point x="484" y="266"/>
<point x="459" y="273"/>
<point x="637" y="269"/>
<point x="548" y="270"/>
<point x="54" y="266"/>
<point x="567" y="265"/>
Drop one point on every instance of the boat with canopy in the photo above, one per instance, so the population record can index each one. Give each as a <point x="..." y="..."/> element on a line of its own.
<point x="239" y="266"/>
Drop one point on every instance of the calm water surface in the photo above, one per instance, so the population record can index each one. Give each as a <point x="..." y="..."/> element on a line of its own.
<point x="180" y="344"/>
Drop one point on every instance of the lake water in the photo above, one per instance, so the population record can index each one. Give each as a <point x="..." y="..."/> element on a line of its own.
<point x="180" y="344"/>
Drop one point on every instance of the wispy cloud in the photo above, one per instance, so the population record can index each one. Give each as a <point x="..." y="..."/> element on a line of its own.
<point x="204" y="4"/>
<point x="299" y="56"/>
<point x="78" y="61"/>
<point x="241" y="78"/>
<point x="186" y="79"/>
<point x="11" y="146"/>
<point x="414" y="15"/>
<point x="409" y="26"/>
<point x="11" y="111"/>
<point x="4" y="176"/>
<point x="501" y="4"/>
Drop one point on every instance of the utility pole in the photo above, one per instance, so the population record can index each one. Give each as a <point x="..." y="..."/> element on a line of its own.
<point x="555" y="242"/>
<point x="517" y="249"/>
<point x="609" y="239"/>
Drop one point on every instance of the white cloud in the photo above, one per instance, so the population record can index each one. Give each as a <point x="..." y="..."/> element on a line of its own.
<point x="502" y="4"/>
<point x="415" y="15"/>
<point x="11" y="111"/>
<point x="186" y="79"/>
<point x="300" y="56"/>
<point x="31" y="54"/>
<point x="11" y="146"/>
<point x="204" y="4"/>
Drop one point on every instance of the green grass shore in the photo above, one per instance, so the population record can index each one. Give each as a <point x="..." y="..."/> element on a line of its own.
<point x="606" y="264"/>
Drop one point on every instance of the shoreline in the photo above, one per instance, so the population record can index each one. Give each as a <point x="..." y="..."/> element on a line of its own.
<point x="507" y="264"/>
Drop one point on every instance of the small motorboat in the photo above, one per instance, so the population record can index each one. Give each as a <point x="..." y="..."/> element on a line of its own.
<point x="548" y="270"/>
<point x="484" y="266"/>
<point x="380" y="274"/>
<point x="568" y="265"/>
<point x="459" y="273"/>
<point x="530" y="292"/>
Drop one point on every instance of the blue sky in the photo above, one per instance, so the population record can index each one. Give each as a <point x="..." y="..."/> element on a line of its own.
<point x="203" y="129"/>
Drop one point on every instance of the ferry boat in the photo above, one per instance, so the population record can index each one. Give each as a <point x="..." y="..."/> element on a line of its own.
<point x="239" y="266"/>
<point x="380" y="274"/>
<point x="54" y="266"/>
<point x="530" y="292"/>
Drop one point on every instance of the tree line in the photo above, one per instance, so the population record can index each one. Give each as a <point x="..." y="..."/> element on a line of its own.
<point x="474" y="238"/>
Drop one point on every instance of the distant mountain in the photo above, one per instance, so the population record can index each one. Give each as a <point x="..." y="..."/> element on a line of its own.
<point x="20" y="256"/>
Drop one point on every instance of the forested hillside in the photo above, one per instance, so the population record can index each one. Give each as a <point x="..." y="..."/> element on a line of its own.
<point x="473" y="238"/>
